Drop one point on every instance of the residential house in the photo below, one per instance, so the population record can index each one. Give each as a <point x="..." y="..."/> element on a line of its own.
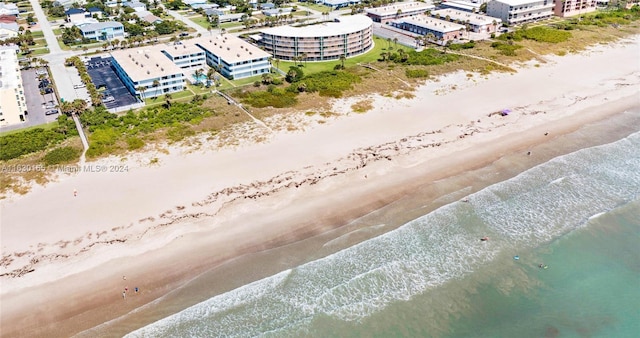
<point x="75" y="15"/>
<point x="111" y="3"/>
<point x="135" y="5"/>
<point x="102" y="31"/>
<point x="7" y="18"/>
<point x="13" y="109"/>
<point x="516" y="12"/>
<point x="9" y="9"/>
<point x="9" y="30"/>
<point x="277" y="11"/>
<point x="147" y="16"/>
<point x="337" y="4"/>
<point x="267" y="5"/>
<point x="95" y="12"/>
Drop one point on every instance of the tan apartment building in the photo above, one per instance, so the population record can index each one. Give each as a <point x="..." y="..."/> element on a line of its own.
<point x="441" y="30"/>
<point x="566" y="8"/>
<point x="347" y="35"/>
<point x="13" y="107"/>
<point x="474" y="22"/>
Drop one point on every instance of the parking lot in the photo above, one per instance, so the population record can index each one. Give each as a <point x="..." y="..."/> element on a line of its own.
<point x="35" y="100"/>
<point x="103" y="75"/>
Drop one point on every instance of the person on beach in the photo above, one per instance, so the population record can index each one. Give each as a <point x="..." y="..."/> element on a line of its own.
<point x="75" y="192"/>
<point x="136" y="289"/>
<point x="124" y="294"/>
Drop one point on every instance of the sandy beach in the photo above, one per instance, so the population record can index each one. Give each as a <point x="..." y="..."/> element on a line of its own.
<point x="158" y="219"/>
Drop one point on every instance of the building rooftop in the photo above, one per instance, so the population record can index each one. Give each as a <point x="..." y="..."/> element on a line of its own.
<point x="99" y="25"/>
<point x="145" y="63"/>
<point x="402" y="6"/>
<point x="342" y="25"/>
<point x="72" y="11"/>
<point x="474" y="19"/>
<point x="432" y="23"/>
<point x="230" y="48"/>
<point x="181" y="48"/>
<point x="465" y="5"/>
<point x="12" y="26"/>
<point x="9" y="67"/>
<point x="518" y="2"/>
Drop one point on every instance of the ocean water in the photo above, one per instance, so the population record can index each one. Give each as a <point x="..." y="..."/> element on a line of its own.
<point x="578" y="214"/>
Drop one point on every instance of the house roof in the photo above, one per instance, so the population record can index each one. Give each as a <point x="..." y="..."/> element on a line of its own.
<point x="145" y="63"/>
<point x="7" y="18"/>
<point x="72" y="11"/>
<point x="94" y="10"/>
<point x="12" y="26"/>
<point x="100" y="25"/>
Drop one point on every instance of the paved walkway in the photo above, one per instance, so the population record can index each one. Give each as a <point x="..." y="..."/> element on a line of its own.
<point x="186" y="21"/>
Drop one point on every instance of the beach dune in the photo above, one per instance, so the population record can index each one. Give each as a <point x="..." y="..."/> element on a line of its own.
<point x="70" y="248"/>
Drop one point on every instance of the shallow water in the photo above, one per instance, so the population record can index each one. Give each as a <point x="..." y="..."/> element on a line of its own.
<point x="577" y="213"/>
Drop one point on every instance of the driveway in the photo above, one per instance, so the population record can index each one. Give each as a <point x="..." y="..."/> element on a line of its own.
<point x="35" y="102"/>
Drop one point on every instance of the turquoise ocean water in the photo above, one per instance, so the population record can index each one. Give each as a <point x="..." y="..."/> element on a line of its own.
<point x="579" y="214"/>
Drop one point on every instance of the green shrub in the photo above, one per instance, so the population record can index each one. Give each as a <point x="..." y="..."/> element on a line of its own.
<point x="328" y="83"/>
<point x="25" y="142"/>
<point x="460" y="46"/>
<point x="427" y="57"/>
<point x="294" y="74"/>
<point x="505" y="48"/>
<point x="62" y="155"/>
<point x="273" y="97"/>
<point x="179" y="132"/>
<point x="134" y="143"/>
<point x="416" y="73"/>
<point x="545" y="34"/>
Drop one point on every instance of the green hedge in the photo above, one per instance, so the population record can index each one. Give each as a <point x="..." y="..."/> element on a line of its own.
<point x="330" y="83"/>
<point x="62" y="155"/>
<point x="416" y="73"/>
<point x="21" y="143"/>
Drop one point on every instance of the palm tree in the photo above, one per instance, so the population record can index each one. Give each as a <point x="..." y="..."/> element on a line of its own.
<point x="395" y="42"/>
<point x="303" y="56"/>
<point x="211" y="73"/>
<point x="342" y="58"/>
<point x="167" y="97"/>
<point x="389" y="42"/>
<point x="155" y="85"/>
<point x="277" y="62"/>
<point x="115" y="43"/>
<point x="198" y="73"/>
<point x="142" y="89"/>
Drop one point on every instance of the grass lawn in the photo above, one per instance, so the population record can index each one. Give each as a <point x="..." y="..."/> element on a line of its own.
<point x="39" y="43"/>
<point x="39" y="51"/>
<point x="317" y="7"/>
<point x="200" y="20"/>
<point x="380" y="45"/>
<point x="57" y="31"/>
<point x="174" y="96"/>
<point x="62" y="45"/>
<point x="37" y="34"/>
<point x="230" y="24"/>
<point x="247" y="80"/>
<point x="45" y="126"/>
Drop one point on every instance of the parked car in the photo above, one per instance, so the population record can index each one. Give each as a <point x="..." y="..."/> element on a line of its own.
<point x="82" y="85"/>
<point x="108" y="99"/>
<point x="48" y="90"/>
<point x="41" y="72"/>
<point x="32" y="23"/>
<point x="49" y="105"/>
<point x="51" y="112"/>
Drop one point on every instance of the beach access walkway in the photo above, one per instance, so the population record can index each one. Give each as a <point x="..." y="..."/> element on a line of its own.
<point x="230" y="100"/>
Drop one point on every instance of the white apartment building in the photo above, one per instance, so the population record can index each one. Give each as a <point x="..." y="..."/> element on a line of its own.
<point x="516" y="12"/>
<point x="141" y="68"/>
<point x="347" y="35"/>
<point x="574" y="7"/>
<point x="233" y="57"/>
<point x="14" y="107"/>
<point x="185" y="54"/>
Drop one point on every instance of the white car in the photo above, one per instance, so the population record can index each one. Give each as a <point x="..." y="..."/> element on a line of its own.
<point x="41" y="72"/>
<point x="82" y="85"/>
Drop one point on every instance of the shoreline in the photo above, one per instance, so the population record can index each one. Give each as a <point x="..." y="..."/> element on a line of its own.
<point x="374" y="172"/>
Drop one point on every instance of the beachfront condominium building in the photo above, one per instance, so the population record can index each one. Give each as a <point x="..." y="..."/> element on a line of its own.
<point x="147" y="72"/>
<point x="185" y="54"/>
<point x="397" y="11"/>
<point x="516" y="12"/>
<point x="233" y="57"/>
<point x="462" y="5"/>
<point x="441" y="30"/>
<point x="346" y="35"/>
<point x="566" y="8"/>
<point x="102" y="31"/>
<point x="14" y="107"/>
<point x="473" y="22"/>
